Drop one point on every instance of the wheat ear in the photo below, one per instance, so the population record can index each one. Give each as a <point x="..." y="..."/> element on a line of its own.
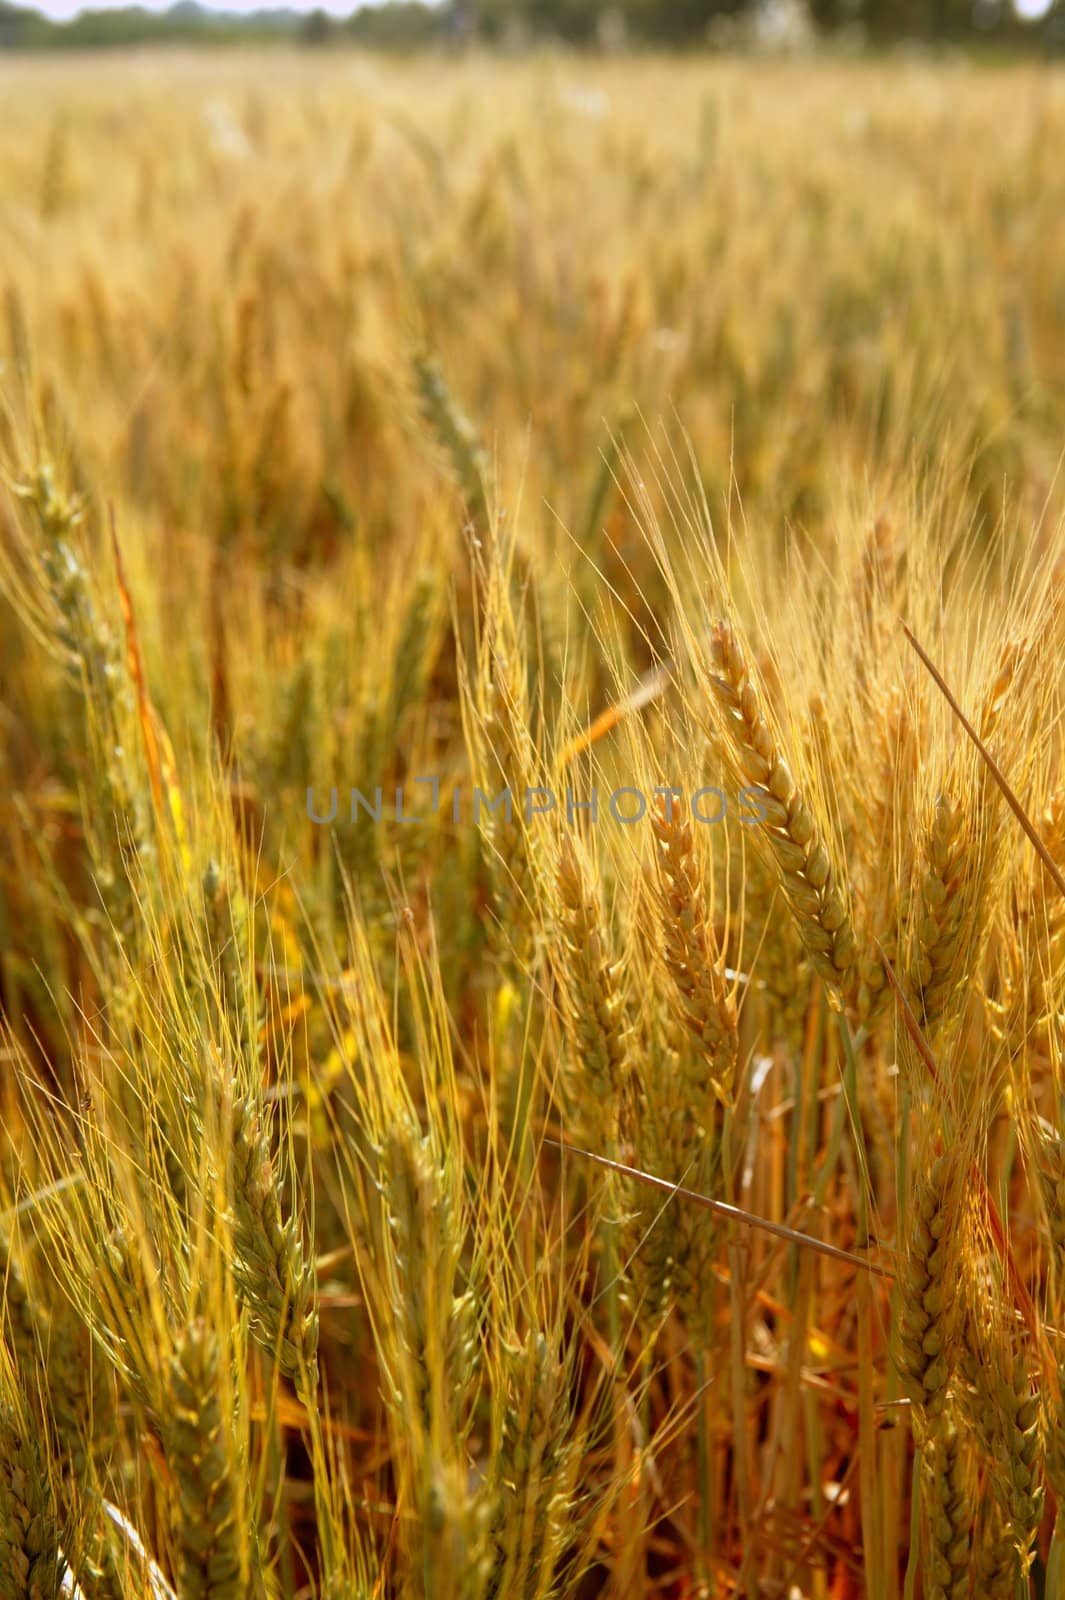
<point x="1009" y="1421"/>
<point x="30" y="1561"/>
<point x="994" y="1557"/>
<point x="793" y="834"/>
<point x="21" y="1318"/>
<point x="693" y="960"/>
<point x="948" y="1493"/>
<point x="535" y="1456"/>
<point x="211" y="1565"/>
<point x="275" y="1281"/>
<point x="934" y="969"/>
<point x="927" y="1292"/>
<point x="595" y="1001"/>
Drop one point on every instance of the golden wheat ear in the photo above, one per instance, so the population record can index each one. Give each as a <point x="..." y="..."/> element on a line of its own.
<point x="791" y="832"/>
<point x="596" y="1007"/>
<point x="929" y="1323"/>
<point x="692" y="957"/>
<point x="31" y="1562"/>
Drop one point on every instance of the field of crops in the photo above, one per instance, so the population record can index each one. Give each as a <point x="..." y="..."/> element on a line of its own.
<point x="465" y="776"/>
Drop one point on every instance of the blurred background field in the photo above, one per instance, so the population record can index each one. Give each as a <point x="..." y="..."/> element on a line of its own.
<point x="834" y="275"/>
<point x="369" y="418"/>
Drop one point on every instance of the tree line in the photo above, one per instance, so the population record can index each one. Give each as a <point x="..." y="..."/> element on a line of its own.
<point x="414" y="24"/>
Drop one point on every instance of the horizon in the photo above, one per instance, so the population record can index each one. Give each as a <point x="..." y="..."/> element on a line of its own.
<point x="59" y="11"/>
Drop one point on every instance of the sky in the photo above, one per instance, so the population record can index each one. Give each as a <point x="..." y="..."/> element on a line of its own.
<point x="62" y="10"/>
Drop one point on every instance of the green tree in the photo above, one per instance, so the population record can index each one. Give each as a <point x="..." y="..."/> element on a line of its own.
<point x="316" y="28"/>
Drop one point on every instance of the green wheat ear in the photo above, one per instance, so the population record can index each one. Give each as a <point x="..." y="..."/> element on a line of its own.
<point x="455" y="433"/>
<point x="271" y="1272"/>
<point x="211" y="1557"/>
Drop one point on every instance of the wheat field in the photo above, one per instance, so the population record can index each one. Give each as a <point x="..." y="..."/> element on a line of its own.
<point x="532" y="828"/>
